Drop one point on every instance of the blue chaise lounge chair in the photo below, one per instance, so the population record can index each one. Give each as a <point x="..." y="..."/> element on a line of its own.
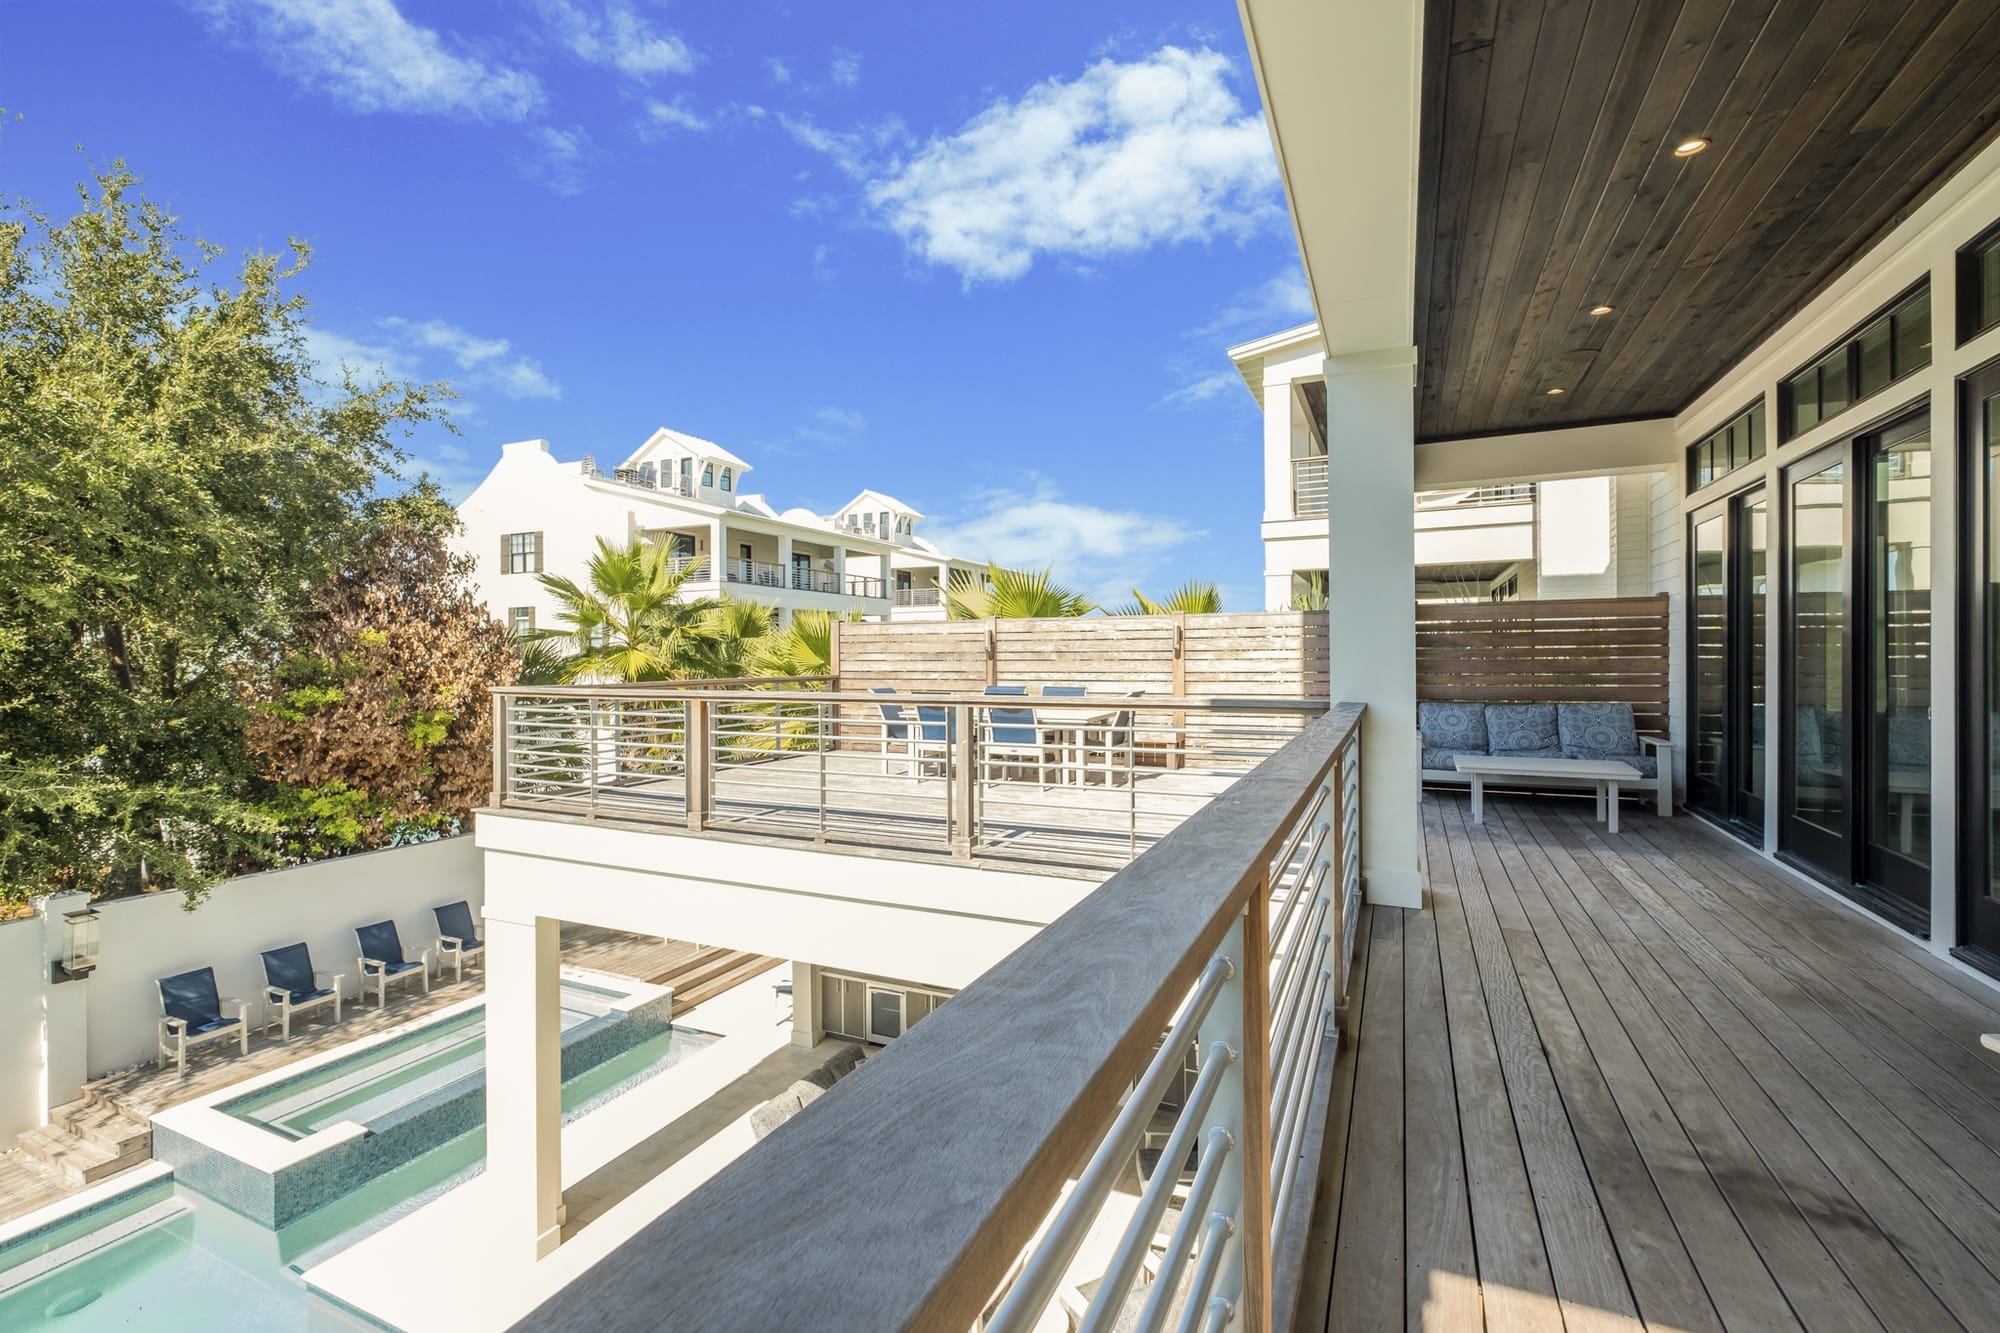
<point x="383" y="960"/>
<point x="292" y="985"/>
<point x="191" y="1013"/>
<point x="458" y="937"/>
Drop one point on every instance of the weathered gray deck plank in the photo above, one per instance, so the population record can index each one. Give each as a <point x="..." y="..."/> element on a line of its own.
<point x="1653" y="1067"/>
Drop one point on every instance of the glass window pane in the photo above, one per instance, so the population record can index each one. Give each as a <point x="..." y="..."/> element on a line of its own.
<point x="1875" y="369"/>
<point x="1913" y="335"/>
<point x="1899" y="649"/>
<point x="1757" y="431"/>
<point x="1805" y="402"/>
<point x="1989" y="427"/>
<point x="1756" y="544"/>
<point x="1711" y="656"/>
<point x="1819" y="633"/>
<point x="1989" y="286"/>
<point x="1834" y="395"/>
<point x="885" y="1014"/>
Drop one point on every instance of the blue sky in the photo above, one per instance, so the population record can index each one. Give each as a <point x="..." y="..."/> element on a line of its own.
<point x="984" y="258"/>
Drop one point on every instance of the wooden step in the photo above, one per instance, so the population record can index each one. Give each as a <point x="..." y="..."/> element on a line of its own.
<point x="693" y="962"/>
<point x="78" y="1160"/>
<point x="711" y="968"/>
<point x="750" y="966"/>
<point x="105" y="1125"/>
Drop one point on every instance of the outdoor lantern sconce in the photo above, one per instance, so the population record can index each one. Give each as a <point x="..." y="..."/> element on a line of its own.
<point x="79" y="958"/>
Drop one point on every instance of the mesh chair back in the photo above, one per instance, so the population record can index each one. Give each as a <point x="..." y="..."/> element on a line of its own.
<point x="892" y="714"/>
<point x="455" y="920"/>
<point x="380" y="941"/>
<point x="1063" y="691"/>
<point x="290" y="968"/>
<point x="934" y="722"/>
<point x="192" y="996"/>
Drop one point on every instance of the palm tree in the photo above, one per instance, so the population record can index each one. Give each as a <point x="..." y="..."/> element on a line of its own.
<point x="732" y="634"/>
<point x="541" y="661"/>
<point x="804" y="649"/>
<point x="1011" y="594"/>
<point x="630" y="623"/>
<point x="1195" y="598"/>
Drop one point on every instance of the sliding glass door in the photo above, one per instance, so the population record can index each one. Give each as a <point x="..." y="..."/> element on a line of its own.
<point x="1728" y="542"/>
<point x="1979" y="865"/>
<point x="1816" y="768"/>
<point x="1857" y="767"/>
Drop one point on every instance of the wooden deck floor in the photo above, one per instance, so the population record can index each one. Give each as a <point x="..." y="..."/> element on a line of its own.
<point x="1650" y="1079"/>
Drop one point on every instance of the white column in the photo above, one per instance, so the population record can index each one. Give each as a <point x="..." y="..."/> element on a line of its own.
<point x="785" y="558"/>
<point x="524" y="1085"/>
<point x="806" y="1029"/>
<point x="1371" y="598"/>
<point x="887" y="574"/>
<point x="65" y="1012"/>
<point x="716" y="552"/>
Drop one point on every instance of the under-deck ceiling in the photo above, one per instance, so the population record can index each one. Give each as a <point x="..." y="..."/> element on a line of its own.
<point x="1549" y="185"/>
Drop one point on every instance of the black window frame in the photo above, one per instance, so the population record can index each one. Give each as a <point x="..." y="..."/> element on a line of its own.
<point x="1966" y="268"/>
<point x="527" y="560"/>
<point x="1848" y="348"/>
<point x="1762" y="439"/>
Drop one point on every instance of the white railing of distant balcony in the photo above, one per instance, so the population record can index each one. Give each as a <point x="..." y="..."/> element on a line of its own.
<point x="1308" y="486"/>
<point x="1084" y="782"/>
<point x="1480" y="497"/>
<point x="919" y="596"/>
<point x="764" y="574"/>
<point x="645" y="477"/>
<point x="974" y="1173"/>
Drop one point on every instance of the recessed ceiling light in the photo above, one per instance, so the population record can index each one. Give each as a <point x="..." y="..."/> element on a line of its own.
<point x="1600" y="310"/>
<point x="1554" y="392"/>
<point x="1689" y="147"/>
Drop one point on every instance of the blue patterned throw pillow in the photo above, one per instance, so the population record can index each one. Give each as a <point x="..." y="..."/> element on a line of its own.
<point x="1452" y="728"/>
<point x="1523" y="731"/>
<point x="1597" y="731"/>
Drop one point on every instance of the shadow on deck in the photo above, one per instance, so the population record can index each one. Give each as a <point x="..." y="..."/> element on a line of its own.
<point x="1650" y="1078"/>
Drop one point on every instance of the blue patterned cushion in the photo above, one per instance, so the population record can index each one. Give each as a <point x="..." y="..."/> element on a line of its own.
<point x="1523" y="730"/>
<point x="1590" y="730"/>
<point x="1436" y="759"/>
<point x="1455" y="728"/>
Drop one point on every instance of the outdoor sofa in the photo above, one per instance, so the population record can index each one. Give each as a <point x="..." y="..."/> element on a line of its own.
<point x="1542" y="731"/>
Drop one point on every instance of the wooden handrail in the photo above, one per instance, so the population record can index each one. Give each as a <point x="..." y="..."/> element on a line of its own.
<point x="902" y="1199"/>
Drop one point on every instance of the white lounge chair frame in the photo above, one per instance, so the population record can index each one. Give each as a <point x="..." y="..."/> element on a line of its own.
<point x="278" y="1003"/>
<point x="176" y="1041"/>
<point x="453" y="950"/>
<point x="381" y="975"/>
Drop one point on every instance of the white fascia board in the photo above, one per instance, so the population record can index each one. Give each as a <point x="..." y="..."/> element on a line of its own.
<point x="1548" y="455"/>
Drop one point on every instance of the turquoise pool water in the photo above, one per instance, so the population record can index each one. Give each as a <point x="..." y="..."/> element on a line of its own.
<point x="163" y="1258"/>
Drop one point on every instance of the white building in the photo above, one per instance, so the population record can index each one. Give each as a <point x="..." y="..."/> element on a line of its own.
<point x="1589" y="536"/>
<point x="533" y="515"/>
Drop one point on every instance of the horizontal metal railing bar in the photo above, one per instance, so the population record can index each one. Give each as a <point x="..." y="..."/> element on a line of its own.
<point x="964" y="1131"/>
<point x="725" y="691"/>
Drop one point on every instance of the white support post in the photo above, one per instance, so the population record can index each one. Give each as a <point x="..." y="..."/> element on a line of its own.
<point x="524" y="1084"/>
<point x="806" y="1020"/>
<point x="785" y="559"/>
<point x="1372" y="563"/>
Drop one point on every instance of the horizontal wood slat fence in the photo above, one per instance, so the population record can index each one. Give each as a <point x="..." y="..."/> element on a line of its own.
<point x="1588" y="650"/>
<point x="1259" y="655"/>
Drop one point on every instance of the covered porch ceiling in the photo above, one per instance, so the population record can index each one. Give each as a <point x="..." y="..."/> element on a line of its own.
<point x="1476" y="179"/>
<point x="1549" y="186"/>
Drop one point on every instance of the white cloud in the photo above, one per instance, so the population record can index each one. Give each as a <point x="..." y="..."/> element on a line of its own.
<point x="666" y="117"/>
<point x="1129" y="155"/>
<point x="1279" y="302"/>
<point x="416" y="349"/>
<point x="832" y="425"/>
<point x="366" y="54"/>
<point x="1203" y="389"/>
<point x="614" y="35"/>
<point x="845" y="68"/>
<point x="1104" y="552"/>
<point x="777" y="69"/>
<point x="822" y="266"/>
<point x="559" y="159"/>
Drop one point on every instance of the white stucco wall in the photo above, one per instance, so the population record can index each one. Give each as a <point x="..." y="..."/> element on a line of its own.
<point x="54" y="1036"/>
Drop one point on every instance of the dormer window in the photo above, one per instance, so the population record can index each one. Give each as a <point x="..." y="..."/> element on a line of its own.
<point x="708" y="474"/>
<point x="725" y="478"/>
<point x="885" y="524"/>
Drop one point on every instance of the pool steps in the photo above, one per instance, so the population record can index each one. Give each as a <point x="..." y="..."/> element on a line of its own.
<point x="87" y="1140"/>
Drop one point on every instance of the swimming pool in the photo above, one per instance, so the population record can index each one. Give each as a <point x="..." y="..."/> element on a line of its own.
<point x="169" y="1255"/>
<point x="288" y="1143"/>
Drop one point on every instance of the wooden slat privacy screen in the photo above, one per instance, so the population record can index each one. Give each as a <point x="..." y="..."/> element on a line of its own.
<point x="1265" y="654"/>
<point x="1589" y="650"/>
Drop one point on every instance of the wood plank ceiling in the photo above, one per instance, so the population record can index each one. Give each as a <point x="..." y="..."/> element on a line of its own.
<point x="1549" y="185"/>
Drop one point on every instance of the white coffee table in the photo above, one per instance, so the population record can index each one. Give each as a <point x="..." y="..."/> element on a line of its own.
<point x="1605" y="774"/>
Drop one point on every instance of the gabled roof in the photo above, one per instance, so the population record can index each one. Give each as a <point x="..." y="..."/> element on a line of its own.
<point x="1249" y="357"/>
<point x="693" y="444"/>
<point x="872" y="499"/>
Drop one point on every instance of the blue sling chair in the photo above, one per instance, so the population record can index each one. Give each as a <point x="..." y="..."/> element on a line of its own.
<point x="191" y="1014"/>
<point x="895" y="726"/>
<point x="384" y="960"/>
<point x="458" y="937"/>
<point x="293" y="986"/>
<point x="1013" y="734"/>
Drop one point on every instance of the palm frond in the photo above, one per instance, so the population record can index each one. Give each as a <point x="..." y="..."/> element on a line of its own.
<point x="1011" y="594"/>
